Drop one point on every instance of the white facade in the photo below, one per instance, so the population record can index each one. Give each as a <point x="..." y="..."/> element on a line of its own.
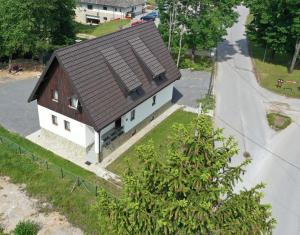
<point x="85" y="135"/>
<point x="142" y="111"/>
<point x="79" y="133"/>
<point x="98" y="12"/>
<point x="146" y="108"/>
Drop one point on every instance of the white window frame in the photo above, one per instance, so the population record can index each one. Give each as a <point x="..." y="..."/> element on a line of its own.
<point x="87" y="6"/>
<point x="54" y="120"/>
<point x="67" y="125"/>
<point x="55" y="95"/>
<point x="132" y="115"/>
<point x="73" y="103"/>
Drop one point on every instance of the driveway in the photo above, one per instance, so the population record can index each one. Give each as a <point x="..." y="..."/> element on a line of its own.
<point x="241" y="107"/>
<point x="16" y="114"/>
<point x="192" y="87"/>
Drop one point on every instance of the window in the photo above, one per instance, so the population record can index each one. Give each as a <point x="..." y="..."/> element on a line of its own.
<point x="120" y="9"/>
<point x="105" y="8"/>
<point x="153" y="100"/>
<point x="90" y="6"/>
<point x="55" y="95"/>
<point x="116" y="9"/>
<point x="74" y="102"/>
<point x="132" y="115"/>
<point x="67" y="126"/>
<point x="54" y="120"/>
<point x="104" y="18"/>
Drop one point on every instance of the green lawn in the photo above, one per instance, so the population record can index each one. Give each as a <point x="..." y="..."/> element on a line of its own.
<point x="159" y="135"/>
<point x="270" y="72"/>
<point x="273" y="69"/>
<point x="102" y="29"/>
<point x="49" y="186"/>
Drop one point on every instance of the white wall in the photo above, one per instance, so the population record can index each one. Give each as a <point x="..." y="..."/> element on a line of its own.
<point x="145" y="109"/>
<point x="97" y="11"/>
<point x="80" y="133"/>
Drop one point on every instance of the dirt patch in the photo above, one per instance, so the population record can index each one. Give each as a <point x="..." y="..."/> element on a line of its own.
<point x="16" y="206"/>
<point x="6" y="76"/>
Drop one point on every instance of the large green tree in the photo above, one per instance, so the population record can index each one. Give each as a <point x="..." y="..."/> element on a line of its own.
<point x="32" y="27"/>
<point x="276" y="26"/>
<point x="191" y="191"/>
<point x="205" y="22"/>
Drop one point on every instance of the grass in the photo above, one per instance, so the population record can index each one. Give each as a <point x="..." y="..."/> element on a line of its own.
<point x="47" y="185"/>
<point x="208" y="102"/>
<point x="102" y="29"/>
<point x="278" y="121"/>
<point x="159" y="136"/>
<point x="270" y="70"/>
<point x="27" y="227"/>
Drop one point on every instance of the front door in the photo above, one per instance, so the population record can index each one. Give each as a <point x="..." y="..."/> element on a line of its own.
<point x="118" y="123"/>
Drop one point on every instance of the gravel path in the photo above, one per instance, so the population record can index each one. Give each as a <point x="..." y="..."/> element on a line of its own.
<point x="16" y="206"/>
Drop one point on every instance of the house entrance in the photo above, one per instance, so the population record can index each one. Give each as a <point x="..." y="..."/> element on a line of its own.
<point x="118" y="123"/>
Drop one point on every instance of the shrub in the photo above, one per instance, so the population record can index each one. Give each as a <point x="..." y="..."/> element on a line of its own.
<point x="26" y="227"/>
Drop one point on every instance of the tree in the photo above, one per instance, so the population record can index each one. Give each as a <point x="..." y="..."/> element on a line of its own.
<point x="32" y="27"/>
<point x="205" y="21"/>
<point x="190" y="192"/>
<point x="276" y="26"/>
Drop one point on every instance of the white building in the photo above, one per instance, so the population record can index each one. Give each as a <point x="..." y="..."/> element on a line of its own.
<point x="98" y="93"/>
<point x="99" y="11"/>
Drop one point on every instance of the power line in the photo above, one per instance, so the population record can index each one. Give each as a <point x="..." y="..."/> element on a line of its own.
<point x="258" y="144"/>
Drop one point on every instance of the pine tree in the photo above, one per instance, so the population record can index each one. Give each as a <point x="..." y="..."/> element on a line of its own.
<point x="192" y="191"/>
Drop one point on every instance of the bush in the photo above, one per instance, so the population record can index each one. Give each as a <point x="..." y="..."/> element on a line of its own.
<point x="27" y="227"/>
<point x="200" y="64"/>
<point x="208" y="103"/>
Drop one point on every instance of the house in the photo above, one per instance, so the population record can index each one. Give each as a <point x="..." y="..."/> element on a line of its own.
<point x="99" y="11"/>
<point x="100" y="92"/>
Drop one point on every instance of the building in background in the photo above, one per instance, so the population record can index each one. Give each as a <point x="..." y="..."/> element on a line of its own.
<point x="100" y="11"/>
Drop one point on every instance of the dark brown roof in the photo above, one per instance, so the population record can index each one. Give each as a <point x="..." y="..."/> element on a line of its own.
<point x="98" y="69"/>
<point x="116" y="3"/>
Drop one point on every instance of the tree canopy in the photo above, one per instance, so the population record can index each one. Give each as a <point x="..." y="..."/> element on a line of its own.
<point x="191" y="191"/>
<point x="275" y="25"/>
<point x="31" y="27"/>
<point x="203" y="23"/>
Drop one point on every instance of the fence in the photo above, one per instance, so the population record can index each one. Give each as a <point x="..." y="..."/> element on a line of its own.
<point x="44" y="164"/>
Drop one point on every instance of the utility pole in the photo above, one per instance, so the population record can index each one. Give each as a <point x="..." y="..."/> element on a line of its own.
<point x="296" y="54"/>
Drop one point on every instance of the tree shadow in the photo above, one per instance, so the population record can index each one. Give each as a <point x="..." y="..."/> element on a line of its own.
<point x="264" y="54"/>
<point x="226" y="51"/>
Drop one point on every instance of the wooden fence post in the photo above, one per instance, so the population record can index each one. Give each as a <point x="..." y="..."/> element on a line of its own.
<point x="96" y="190"/>
<point x="47" y="165"/>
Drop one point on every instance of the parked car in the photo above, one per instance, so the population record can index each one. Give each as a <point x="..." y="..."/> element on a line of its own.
<point x="153" y="13"/>
<point x="148" y="18"/>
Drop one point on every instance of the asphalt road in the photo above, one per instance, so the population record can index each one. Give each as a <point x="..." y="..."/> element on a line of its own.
<point x="241" y="107"/>
<point x="192" y="87"/>
<point x="15" y="113"/>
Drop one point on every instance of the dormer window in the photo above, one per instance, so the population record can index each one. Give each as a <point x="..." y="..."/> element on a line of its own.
<point x="55" y="95"/>
<point x="74" y="102"/>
